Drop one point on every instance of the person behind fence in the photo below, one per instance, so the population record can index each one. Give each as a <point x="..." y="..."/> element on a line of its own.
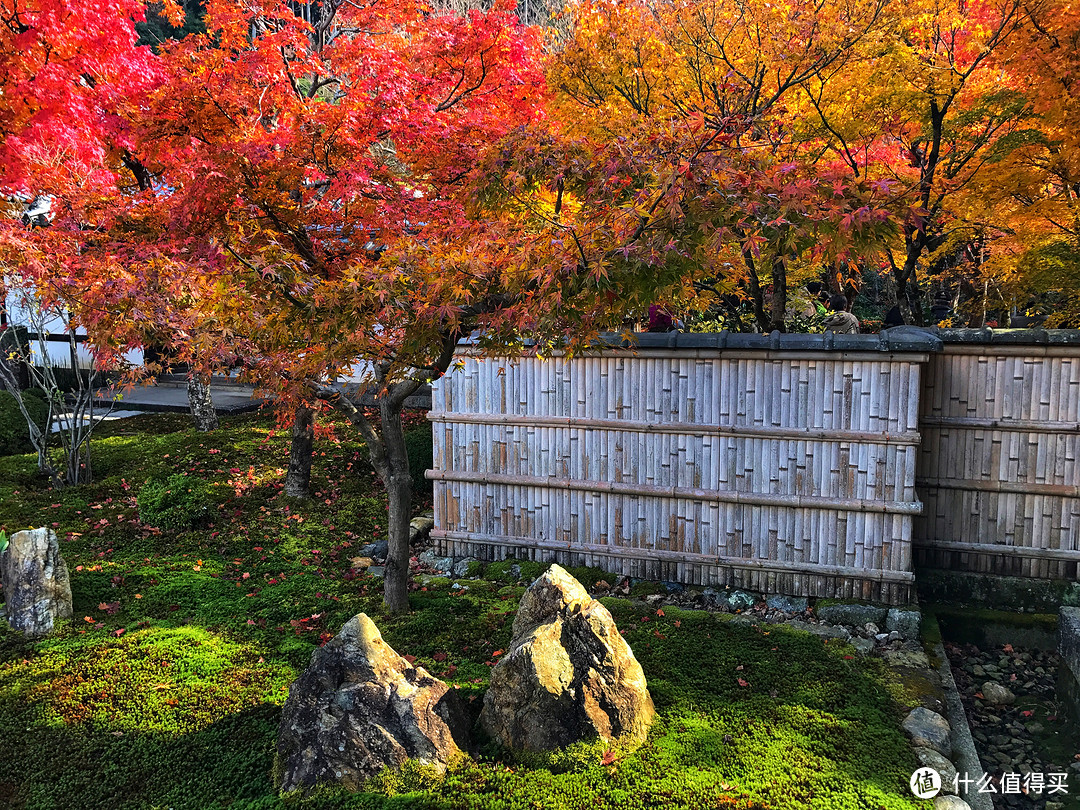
<point x="841" y="322"/>
<point x="894" y="317"/>
<point x="661" y="320"/>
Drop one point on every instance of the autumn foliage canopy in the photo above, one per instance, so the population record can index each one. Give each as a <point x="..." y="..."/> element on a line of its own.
<point x="388" y="177"/>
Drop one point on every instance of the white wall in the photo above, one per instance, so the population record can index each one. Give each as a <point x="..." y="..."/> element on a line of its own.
<point x="59" y="351"/>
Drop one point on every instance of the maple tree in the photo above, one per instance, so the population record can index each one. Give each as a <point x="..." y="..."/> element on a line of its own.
<point x="689" y="107"/>
<point x="1033" y="192"/>
<point x="902" y="110"/>
<point x="65" y="69"/>
<point x="930" y="113"/>
<point x="316" y="173"/>
<point x="299" y="196"/>
<point x="954" y="115"/>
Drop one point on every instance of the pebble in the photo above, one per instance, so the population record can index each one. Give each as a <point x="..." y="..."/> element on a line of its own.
<point x="998" y="694"/>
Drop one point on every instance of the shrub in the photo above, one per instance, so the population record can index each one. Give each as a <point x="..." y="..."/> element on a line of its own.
<point x="173" y="504"/>
<point x="14" y="434"/>
<point x="418" y="444"/>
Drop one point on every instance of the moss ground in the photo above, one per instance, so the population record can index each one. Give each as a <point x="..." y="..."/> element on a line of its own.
<point x="166" y="689"/>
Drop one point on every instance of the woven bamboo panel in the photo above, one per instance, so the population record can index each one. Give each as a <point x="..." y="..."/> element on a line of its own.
<point x="998" y="468"/>
<point x="767" y="470"/>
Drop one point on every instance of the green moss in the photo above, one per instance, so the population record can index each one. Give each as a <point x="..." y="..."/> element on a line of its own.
<point x="1039" y="621"/>
<point x="170" y="695"/>
<point x="514" y="571"/>
<point x="646" y="588"/>
<point x="173" y="503"/>
<point x="915" y="687"/>
<point x="14" y="432"/>
<point x="930" y="630"/>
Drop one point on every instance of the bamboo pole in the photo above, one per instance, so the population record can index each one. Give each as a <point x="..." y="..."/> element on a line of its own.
<point x="644" y="490"/>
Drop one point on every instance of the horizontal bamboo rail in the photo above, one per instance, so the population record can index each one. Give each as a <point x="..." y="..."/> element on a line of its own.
<point x="1066" y="554"/>
<point x="1001" y="425"/>
<point x="679" y="556"/>
<point x="994" y="485"/>
<point x="777" y="433"/>
<point x="685" y="493"/>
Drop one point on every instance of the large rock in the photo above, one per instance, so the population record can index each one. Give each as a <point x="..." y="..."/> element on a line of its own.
<point x="37" y="590"/>
<point x="929" y="758"/>
<point x="944" y="802"/>
<point x="360" y="707"/>
<point x="568" y="676"/>
<point x="930" y="729"/>
<point x="905" y="622"/>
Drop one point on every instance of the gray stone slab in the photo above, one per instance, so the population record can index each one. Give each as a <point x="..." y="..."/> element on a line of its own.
<point x="964" y="753"/>
<point x="1069" y="638"/>
<point x="854" y="614"/>
<point x="111" y="417"/>
<point x="788" y="604"/>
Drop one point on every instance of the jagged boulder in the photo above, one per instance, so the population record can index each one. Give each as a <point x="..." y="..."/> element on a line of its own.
<point x="568" y="676"/>
<point x="37" y="591"/>
<point x="360" y="707"/>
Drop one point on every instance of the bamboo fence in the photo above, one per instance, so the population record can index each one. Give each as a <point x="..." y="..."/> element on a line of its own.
<point x="998" y="466"/>
<point x="771" y="464"/>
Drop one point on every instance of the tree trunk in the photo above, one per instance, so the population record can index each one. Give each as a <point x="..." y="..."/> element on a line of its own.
<point x="757" y="295"/>
<point x="202" y="402"/>
<point x="398" y="483"/>
<point x="908" y="294"/>
<point x="778" y="305"/>
<point x="390" y="459"/>
<point x="298" y="478"/>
